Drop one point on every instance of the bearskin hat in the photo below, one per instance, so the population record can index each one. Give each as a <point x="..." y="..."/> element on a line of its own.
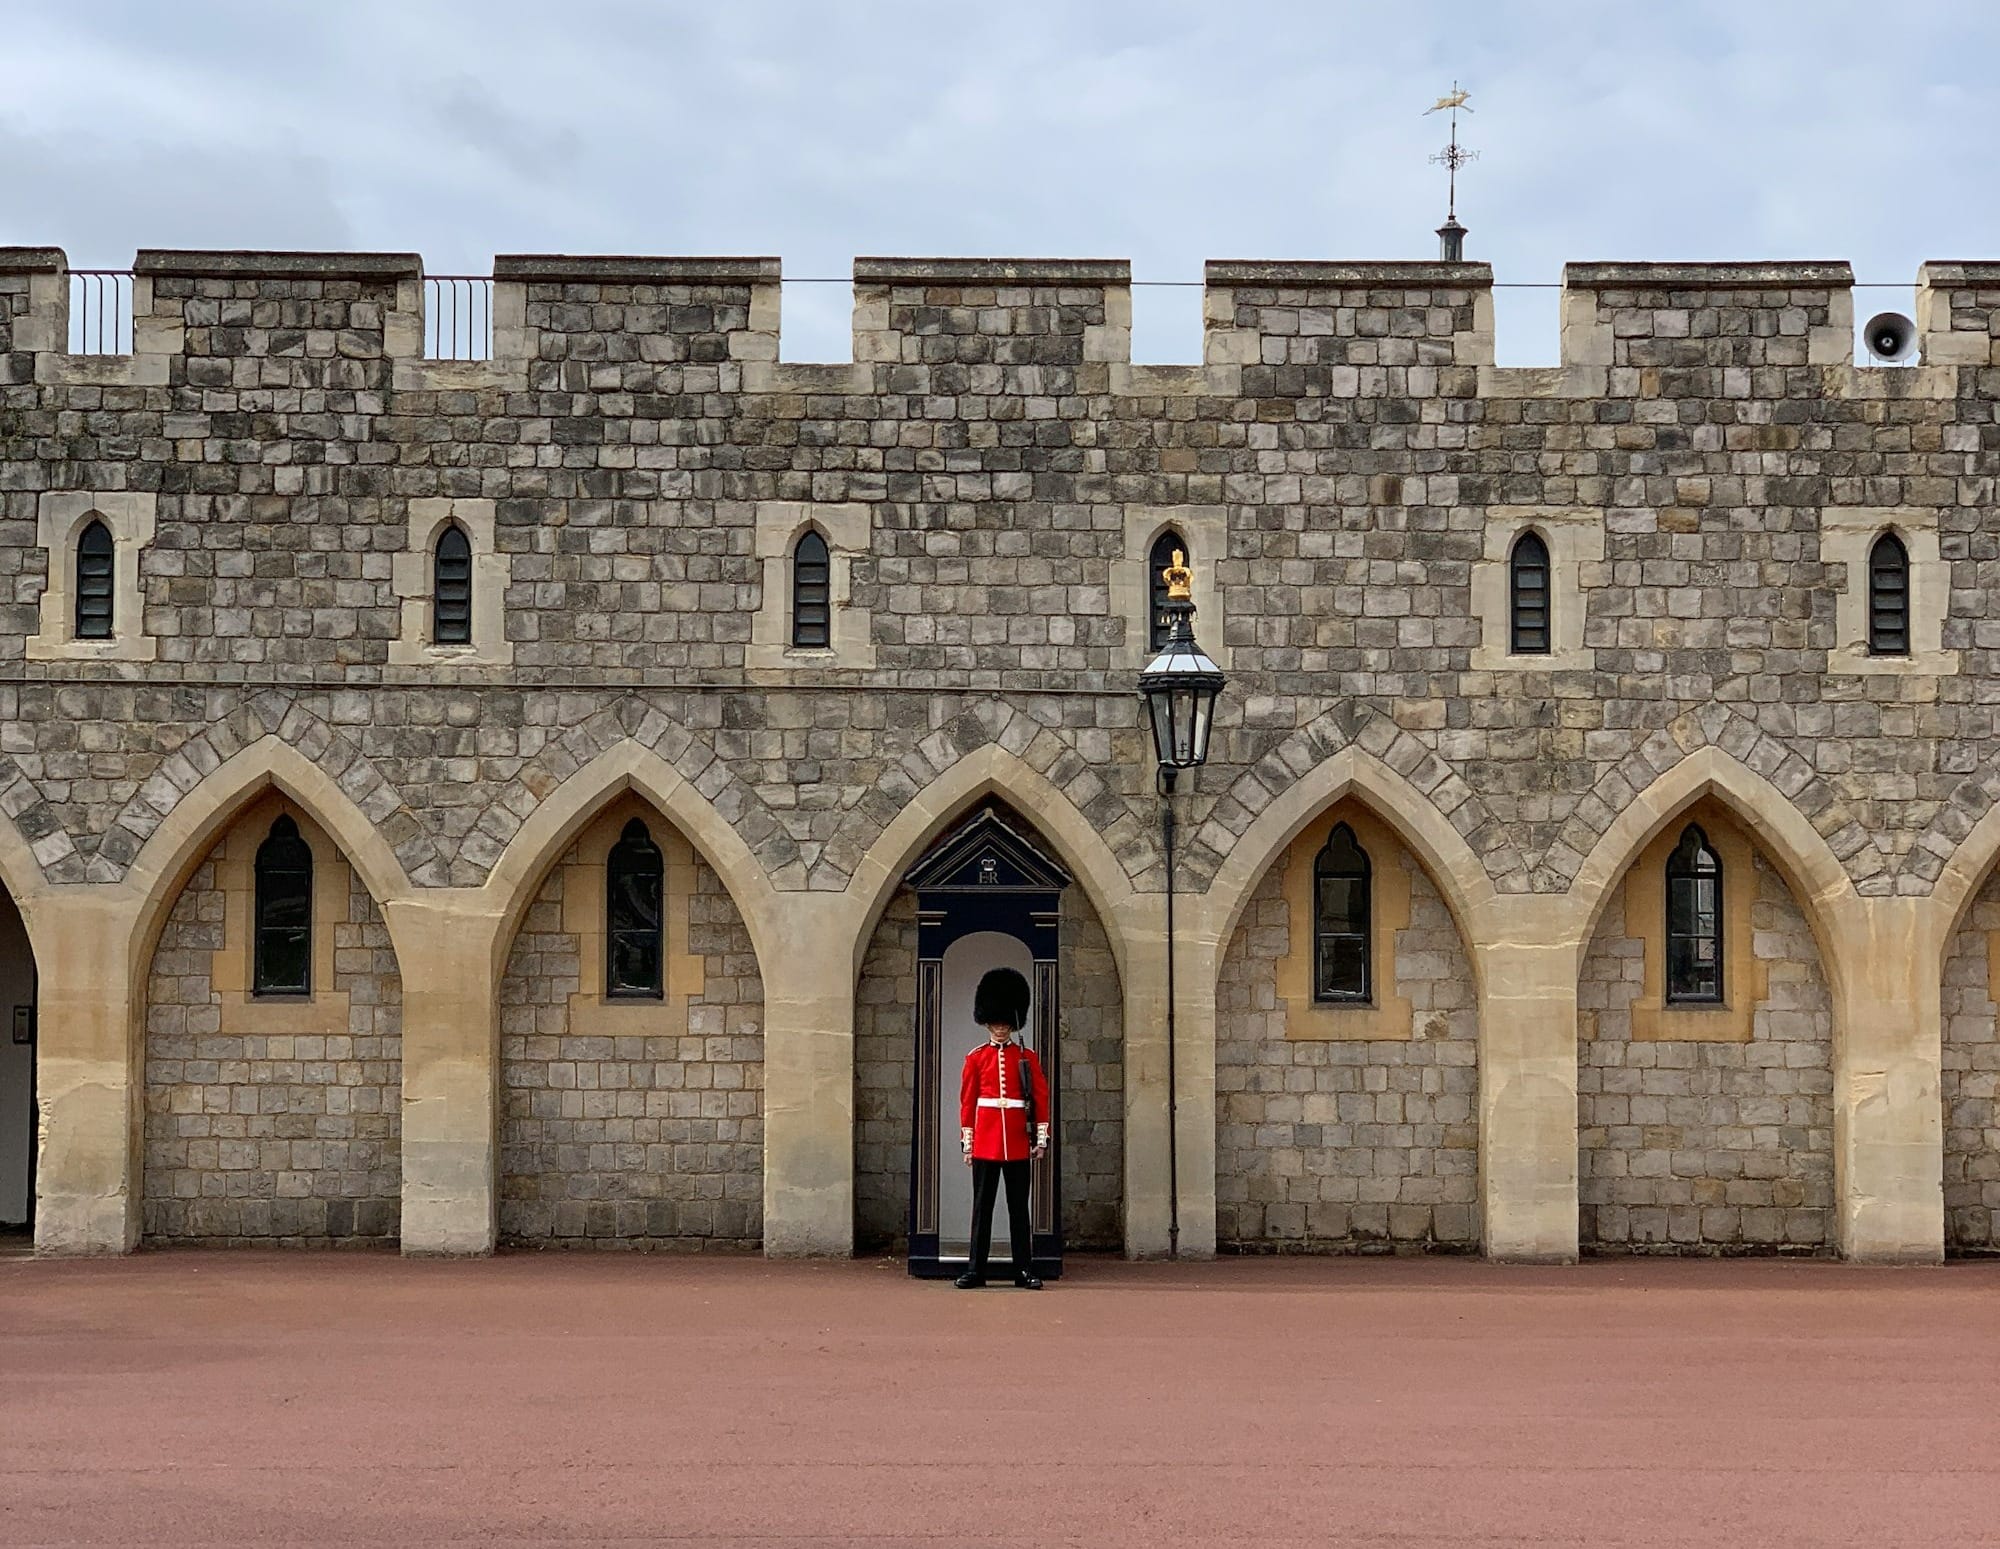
<point x="1002" y="996"/>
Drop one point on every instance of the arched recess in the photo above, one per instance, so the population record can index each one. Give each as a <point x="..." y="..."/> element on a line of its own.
<point x="17" y="1036"/>
<point x="630" y="1121"/>
<point x="1965" y="916"/>
<point x="1709" y="1127"/>
<point x="1093" y="1058"/>
<point x="266" y="1118"/>
<point x="1348" y="1125"/>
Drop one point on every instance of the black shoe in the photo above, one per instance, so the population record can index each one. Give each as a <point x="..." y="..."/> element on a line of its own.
<point x="1027" y="1282"/>
<point x="971" y="1280"/>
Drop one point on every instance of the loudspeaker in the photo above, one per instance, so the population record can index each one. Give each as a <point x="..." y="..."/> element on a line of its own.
<point x="1890" y="337"/>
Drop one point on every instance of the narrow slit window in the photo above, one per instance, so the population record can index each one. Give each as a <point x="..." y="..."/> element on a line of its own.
<point x="94" y="555"/>
<point x="633" y="878"/>
<point x="1341" y="954"/>
<point x="1165" y="547"/>
<point x="1528" y="592"/>
<point x="1888" y="597"/>
<point x="812" y="593"/>
<point x="284" y="884"/>
<point x="451" y="588"/>
<point x="1694" y="922"/>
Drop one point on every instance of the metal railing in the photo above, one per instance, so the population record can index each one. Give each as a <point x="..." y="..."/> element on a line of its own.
<point x="458" y="317"/>
<point x="100" y="311"/>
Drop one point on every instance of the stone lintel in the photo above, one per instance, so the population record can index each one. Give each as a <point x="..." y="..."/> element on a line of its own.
<point x="1734" y="276"/>
<point x="33" y="260"/>
<point x="1328" y="273"/>
<point x="992" y="271"/>
<point x="270" y="265"/>
<point x="567" y="269"/>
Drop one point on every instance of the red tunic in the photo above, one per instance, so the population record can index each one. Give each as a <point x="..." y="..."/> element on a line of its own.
<point x="992" y="1113"/>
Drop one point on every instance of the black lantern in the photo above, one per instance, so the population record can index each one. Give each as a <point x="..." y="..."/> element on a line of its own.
<point x="1180" y="684"/>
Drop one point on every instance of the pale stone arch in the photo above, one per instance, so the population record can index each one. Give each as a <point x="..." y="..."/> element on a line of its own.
<point x="1030" y="745"/>
<point x="1468" y="890"/>
<point x="631" y="766"/>
<point x="991" y="771"/>
<point x="1961" y="874"/>
<point x="275" y="719"/>
<point x="189" y="831"/>
<point x="1719" y="737"/>
<point x="674" y="751"/>
<point x="1821" y="883"/>
<point x="1423" y="782"/>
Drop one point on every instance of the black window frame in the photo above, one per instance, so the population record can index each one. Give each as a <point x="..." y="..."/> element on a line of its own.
<point x="451" y="587"/>
<point x="1357" y="924"/>
<point x="1888" y="596"/>
<point x="282" y="917"/>
<point x="96" y="583"/>
<point x="1530" y="618"/>
<point x="1158" y="558"/>
<point x="635" y="883"/>
<point x="1692" y="863"/>
<point x="812" y="592"/>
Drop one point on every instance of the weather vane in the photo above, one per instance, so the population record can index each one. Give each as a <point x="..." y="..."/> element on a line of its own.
<point x="1451" y="235"/>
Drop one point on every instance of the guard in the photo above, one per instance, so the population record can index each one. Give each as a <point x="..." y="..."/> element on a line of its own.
<point x="1003" y="1123"/>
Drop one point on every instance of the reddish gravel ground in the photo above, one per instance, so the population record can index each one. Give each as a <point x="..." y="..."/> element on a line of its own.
<point x="332" y="1399"/>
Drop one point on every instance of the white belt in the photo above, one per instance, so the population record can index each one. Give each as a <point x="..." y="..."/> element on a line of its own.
<point x="1003" y="1102"/>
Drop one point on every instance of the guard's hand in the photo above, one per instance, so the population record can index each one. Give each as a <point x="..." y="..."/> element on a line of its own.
<point x="1036" y="1153"/>
<point x="968" y="1156"/>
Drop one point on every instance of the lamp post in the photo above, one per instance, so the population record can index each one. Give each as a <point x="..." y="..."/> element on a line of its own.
<point x="1180" y="686"/>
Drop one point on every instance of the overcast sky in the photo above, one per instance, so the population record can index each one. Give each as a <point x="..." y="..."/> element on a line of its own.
<point x="1162" y="132"/>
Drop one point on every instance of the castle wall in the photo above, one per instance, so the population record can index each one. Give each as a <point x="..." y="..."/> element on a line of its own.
<point x="1349" y="469"/>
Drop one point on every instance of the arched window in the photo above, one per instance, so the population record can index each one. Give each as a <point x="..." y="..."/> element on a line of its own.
<point x="451" y="588"/>
<point x="1165" y="547"/>
<point x="93" y="583"/>
<point x="1694" y="921"/>
<point x="1341" y="967"/>
<point x="632" y="914"/>
<point x="1528" y="595"/>
<point x="812" y="593"/>
<point x="283" y="947"/>
<point x="1888" y="597"/>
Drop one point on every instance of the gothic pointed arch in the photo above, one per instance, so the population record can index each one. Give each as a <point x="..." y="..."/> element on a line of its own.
<point x="675" y="751"/>
<point x="1296" y="763"/>
<point x="1742" y="744"/>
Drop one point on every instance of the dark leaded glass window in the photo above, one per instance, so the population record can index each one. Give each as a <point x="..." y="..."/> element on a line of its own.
<point x="633" y="874"/>
<point x="1340" y="919"/>
<point x="451" y="589"/>
<point x="1528" y="591"/>
<point x="1694" y="921"/>
<point x="1165" y="547"/>
<point x="1888" y="597"/>
<point x="93" y="583"/>
<point x="812" y="593"/>
<point x="283" y="948"/>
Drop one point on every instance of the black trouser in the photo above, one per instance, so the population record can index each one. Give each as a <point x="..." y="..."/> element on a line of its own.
<point x="986" y="1180"/>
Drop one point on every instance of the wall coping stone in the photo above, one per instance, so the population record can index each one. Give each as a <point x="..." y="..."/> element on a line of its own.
<point x="1809" y="275"/>
<point x="1255" y="271"/>
<point x="278" y="265"/>
<point x="33" y="260"/>
<point x="1959" y="272"/>
<point x="619" y="269"/>
<point x="993" y="271"/>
